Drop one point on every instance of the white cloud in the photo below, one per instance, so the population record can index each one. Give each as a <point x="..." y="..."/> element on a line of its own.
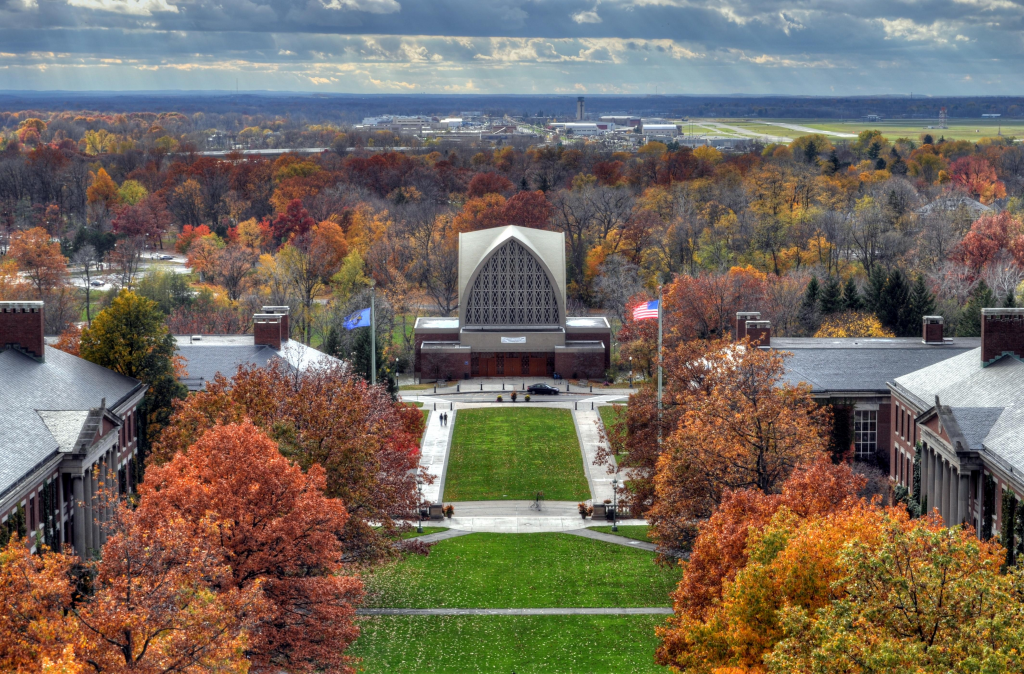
<point x="587" y="17"/>
<point x="371" y="6"/>
<point x="135" y="7"/>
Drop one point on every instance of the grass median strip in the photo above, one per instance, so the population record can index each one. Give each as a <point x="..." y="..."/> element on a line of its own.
<point x="547" y="570"/>
<point x="512" y="453"/>
<point x="522" y="644"/>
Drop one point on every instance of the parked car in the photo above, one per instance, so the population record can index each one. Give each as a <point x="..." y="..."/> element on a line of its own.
<point x="166" y="257"/>
<point x="96" y="284"/>
<point x="543" y="389"/>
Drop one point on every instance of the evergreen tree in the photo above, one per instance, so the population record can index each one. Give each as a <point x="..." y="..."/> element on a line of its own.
<point x="361" y="360"/>
<point x="875" y="288"/>
<point x="1011" y="300"/>
<point x="970" y="320"/>
<point x="893" y="303"/>
<point x="830" y="298"/>
<point x="922" y="303"/>
<point x="809" y="306"/>
<point x="851" y="297"/>
<point x="811" y="294"/>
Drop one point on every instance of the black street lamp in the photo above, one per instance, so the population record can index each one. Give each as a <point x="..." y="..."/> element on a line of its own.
<point x="419" y="506"/>
<point x="631" y="372"/>
<point x="615" y="503"/>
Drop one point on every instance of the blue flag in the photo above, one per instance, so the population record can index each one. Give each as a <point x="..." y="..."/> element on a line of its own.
<point x="360" y="319"/>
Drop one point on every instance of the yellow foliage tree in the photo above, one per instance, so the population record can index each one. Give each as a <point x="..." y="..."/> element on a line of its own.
<point x="852" y="324"/>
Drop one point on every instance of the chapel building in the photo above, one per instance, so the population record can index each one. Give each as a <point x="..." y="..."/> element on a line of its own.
<point x="512" y="318"/>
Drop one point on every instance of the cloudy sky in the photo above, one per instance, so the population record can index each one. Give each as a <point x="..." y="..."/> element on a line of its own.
<point x="813" y="47"/>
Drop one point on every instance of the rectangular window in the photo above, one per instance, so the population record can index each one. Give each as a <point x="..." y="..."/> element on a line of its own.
<point x="865" y="433"/>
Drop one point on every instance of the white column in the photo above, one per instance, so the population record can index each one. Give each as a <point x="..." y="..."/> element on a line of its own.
<point x="963" y="497"/>
<point x="78" y="494"/>
<point x="944" y="493"/>
<point x="87" y="523"/>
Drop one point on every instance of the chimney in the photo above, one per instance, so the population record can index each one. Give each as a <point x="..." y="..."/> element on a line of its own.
<point x="283" y="312"/>
<point x="932" y="330"/>
<point x="21" y="328"/>
<point x="741" y="322"/>
<point x="760" y="332"/>
<point x="1002" y="333"/>
<point x="266" y="330"/>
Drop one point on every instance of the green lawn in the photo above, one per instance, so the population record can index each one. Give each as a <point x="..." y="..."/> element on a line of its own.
<point x="637" y="532"/>
<point x="514" y="453"/>
<point x="520" y="644"/>
<point x="612" y="414"/>
<point x="415" y="403"/>
<point x="547" y="570"/>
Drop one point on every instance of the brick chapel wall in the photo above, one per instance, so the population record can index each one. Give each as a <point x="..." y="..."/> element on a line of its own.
<point x="605" y="337"/>
<point x="455" y="365"/>
<point x="420" y="338"/>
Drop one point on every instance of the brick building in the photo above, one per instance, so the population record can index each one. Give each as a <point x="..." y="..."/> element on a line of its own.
<point x="70" y="429"/>
<point x="512" y="314"/>
<point x="968" y="414"/>
<point x="852" y="374"/>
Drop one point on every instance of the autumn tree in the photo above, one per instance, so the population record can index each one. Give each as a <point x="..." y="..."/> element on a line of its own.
<point x="366" y="442"/>
<point x="912" y="597"/>
<point x="976" y="176"/>
<point x="39" y="258"/>
<point x="294" y="221"/>
<point x="278" y="531"/>
<point x="159" y="599"/>
<point x="740" y="427"/>
<point x="308" y="262"/>
<point x="103" y="190"/>
<point x="488" y="183"/>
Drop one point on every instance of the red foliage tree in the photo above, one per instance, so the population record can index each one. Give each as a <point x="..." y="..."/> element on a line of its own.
<point x="488" y="183"/>
<point x="278" y="531"/>
<point x="990" y="234"/>
<point x="148" y="219"/>
<point x="609" y="172"/>
<point x="367" y="443"/>
<point x="528" y="209"/>
<point x="976" y="176"/>
<point x="295" y="220"/>
<point x="188" y="235"/>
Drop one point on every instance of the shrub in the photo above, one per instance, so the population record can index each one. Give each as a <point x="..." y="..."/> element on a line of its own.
<point x="500" y="399"/>
<point x="526" y="397"/>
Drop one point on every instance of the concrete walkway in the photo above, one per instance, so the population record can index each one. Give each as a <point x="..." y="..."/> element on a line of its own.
<point x="613" y="539"/>
<point x="434" y="453"/>
<point x="643" y="610"/>
<point x="517" y="517"/>
<point x="440" y="535"/>
<point x="588" y="429"/>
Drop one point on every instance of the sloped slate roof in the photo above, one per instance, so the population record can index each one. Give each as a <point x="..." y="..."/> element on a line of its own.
<point x="211" y="354"/>
<point x="63" y="383"/>
<point x="987" y="402"/>
<point x="860" y="369"/>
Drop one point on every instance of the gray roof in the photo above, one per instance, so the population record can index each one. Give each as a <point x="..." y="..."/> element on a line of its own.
<point x="34" y="395"/>
<point x="987" y="402"/>
<point x="860" y="365"/>
<point x="210" y="354"/>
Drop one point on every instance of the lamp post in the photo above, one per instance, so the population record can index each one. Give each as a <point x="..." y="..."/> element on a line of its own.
<point x="631" y="372"/>
<point x="419" y="506"/>
<point x="615" y="504"/>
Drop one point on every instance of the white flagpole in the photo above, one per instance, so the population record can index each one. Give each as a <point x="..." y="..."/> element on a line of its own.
<point x="373" y="336"/>
<point x="660" y="302"/>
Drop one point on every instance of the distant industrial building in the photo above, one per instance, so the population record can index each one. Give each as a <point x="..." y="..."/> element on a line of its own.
<point x="579" y="109"/>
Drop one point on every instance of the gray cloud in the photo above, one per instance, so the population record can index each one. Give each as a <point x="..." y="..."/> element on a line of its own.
<point x="678" y="46"/>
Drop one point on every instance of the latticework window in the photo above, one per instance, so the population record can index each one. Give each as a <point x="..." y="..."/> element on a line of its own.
<point x="512" y="289"/>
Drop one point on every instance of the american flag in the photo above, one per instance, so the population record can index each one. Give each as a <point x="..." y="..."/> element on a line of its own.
<point x="647" y="310"/>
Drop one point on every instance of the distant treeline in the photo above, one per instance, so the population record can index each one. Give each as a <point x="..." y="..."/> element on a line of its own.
<point x="315" y="108"/>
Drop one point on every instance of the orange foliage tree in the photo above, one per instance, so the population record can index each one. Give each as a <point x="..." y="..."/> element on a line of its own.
<point x="739" y="426"/>
<point x="976" y="176"/>
<point x="989" y="235"/>
<point x="39" y="258"/>
<point x="152" y="605"/>
<point x="366" y="442"/>
<point x="277" y="530"/>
